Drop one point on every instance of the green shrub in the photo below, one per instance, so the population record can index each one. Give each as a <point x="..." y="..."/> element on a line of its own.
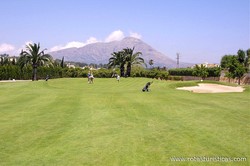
<point x="175" y="78"/>
<point x="103" y="73"/>
<point x="212" y="72"/>
<point x="181" y="72"/>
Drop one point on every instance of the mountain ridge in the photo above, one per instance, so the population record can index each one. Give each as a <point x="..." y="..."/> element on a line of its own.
<point x="100" y="52"/>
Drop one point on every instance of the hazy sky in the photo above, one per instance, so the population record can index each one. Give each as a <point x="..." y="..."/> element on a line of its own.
<point x="200" y="30"/>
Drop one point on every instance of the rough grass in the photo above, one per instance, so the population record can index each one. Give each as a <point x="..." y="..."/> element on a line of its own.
<point x="70" y="122"/>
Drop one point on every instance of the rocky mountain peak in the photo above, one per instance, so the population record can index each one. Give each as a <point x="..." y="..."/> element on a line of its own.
<point x="101" y="52"/>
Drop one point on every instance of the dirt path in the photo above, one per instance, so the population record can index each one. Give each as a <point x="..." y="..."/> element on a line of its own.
<point x="212" y="88"/>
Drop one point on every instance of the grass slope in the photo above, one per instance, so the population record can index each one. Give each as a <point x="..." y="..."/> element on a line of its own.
<point x="70" y="122"/>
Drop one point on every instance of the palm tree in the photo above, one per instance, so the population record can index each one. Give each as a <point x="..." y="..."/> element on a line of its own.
<point x="200" y="71"/>
<point x="118" y="59"/>
<point x="151" y="62"/>
<point x="34" y="57"/>
<point x="132" y="59"/>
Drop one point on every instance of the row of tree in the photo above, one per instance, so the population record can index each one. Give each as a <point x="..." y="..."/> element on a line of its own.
<point x="9" y="72"/>
<point x="200" y="71"/>
<point x="236" y="65"/>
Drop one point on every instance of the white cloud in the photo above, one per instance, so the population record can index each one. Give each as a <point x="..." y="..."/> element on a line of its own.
<point x="56" y="48"/>
<point x="6" y="48"/>
<point x="92" y="40"/>
<point x="135" y="35"/>
<point x="115" y="36"/>
<point x="23" y="47"/>
<point x="74" y="44"/>
<point x="27" y="43"/>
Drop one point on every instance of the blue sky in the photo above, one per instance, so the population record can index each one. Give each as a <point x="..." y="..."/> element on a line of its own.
<point x="200" y="30"/>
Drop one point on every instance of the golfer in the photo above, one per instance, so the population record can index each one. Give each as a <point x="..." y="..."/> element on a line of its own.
<point x="118" y="78"/>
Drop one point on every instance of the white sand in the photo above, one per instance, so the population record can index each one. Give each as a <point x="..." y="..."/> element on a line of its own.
<point x="13" y="80"/>
<point x="212" y="88"/>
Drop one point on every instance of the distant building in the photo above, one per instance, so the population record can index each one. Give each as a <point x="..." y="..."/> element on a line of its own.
<point x="207" y="65"/>
<point x="12" y="59"/>
<point x="71" y="66"/>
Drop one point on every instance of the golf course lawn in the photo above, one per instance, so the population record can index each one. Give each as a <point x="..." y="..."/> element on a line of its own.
<point x="71" y="122"/>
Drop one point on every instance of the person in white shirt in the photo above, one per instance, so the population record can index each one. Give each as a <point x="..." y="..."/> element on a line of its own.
<point x="118" y="78"/>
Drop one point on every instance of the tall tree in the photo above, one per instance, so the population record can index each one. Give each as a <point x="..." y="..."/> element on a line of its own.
<point x="35" y="57"/>
<point x="248" y="59"/>
<point x="234" y="65"/>
<point x="62" y="63"/>
<point x="118" y="60"/>
<point x="226" y="61"/>
<point x="132" y="59"/>
<point x="236" y="68"/>
<point x="241" y="56"/>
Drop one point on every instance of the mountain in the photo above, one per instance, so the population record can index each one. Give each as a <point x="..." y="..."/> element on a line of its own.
<point x="101" y="52"/>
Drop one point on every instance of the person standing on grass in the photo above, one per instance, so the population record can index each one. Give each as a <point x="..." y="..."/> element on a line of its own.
<point x="89" y="76"/>
<point x="118" y="78"/>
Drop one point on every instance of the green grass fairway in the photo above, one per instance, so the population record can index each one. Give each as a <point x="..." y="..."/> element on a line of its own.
<point x="71" y="122"/>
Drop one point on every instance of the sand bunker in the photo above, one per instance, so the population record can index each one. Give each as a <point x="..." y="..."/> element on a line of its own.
<point x="212" y="88"/>
<point x="13" y="80"/>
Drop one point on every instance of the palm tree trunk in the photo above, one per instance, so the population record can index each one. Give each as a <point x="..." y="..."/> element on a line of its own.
<point x="122" y="70"/>
<point x="239" y="81"/>
<point x="128" y="70"/>
<point x="34" y="74"/>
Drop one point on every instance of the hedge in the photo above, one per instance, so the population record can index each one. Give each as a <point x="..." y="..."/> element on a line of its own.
<point x="212" y="72"/>
<point x="181" y="72"/>
<point x="15" y="72"/>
